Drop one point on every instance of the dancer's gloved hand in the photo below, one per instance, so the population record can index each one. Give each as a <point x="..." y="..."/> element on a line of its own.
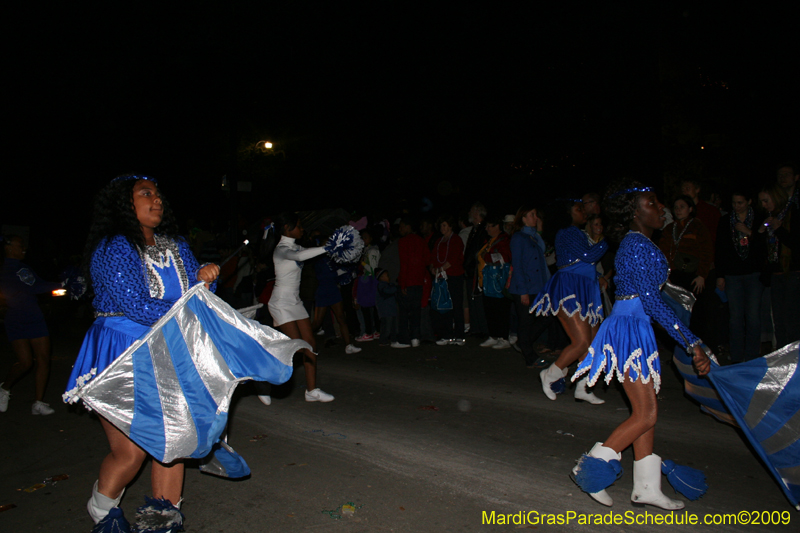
<point x="701" y="361"/>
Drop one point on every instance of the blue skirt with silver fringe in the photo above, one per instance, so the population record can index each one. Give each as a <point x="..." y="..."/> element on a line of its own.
<point x="573" y="289"/>
<point x="624" y="343"/>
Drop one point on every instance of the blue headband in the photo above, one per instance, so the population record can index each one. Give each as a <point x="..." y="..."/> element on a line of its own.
<point x="628" y="191"/>
<point x="133" y="177"/>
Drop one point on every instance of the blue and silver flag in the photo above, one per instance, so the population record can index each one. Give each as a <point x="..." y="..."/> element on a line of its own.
<point x="170" y="391"/>
<point x="763" y="395"/>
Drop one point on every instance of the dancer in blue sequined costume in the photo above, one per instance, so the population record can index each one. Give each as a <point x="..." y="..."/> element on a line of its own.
<point x="625" y="346"/>
<point x="137" y="275"/>
<point x="573" y="293"/>
<point x="25" y="325"/>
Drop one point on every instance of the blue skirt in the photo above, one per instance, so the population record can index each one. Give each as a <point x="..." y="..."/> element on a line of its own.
<point x="25" y="329"/>
<point x="624" y="343"/>
<point x="107" y="339"/>
<point x="575" y="290"/>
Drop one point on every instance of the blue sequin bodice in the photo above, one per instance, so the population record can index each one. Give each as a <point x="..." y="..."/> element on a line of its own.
<point x="641" y="271"/>
<point x="572" y="245"/>
<point x="141" y="287"/>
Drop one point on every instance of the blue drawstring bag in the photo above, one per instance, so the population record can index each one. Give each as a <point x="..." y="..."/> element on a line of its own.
<point x="440" y="295"/>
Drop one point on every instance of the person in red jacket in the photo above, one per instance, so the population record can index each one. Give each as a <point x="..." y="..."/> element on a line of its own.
<point x="495" y="253"/>
<point x="447" y="261"/>
<point x="414" y="259"/>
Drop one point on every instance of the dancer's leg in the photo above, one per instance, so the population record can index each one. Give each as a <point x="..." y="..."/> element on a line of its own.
<point x="639" y="428"/>
<point x="24" y="354"/>
<point x="580" y="335"/>
<point x="41" y="351"/>
<point x="121" y="465"/>
<point x="301" y="329"/>
<point x="338" y="313"/>
<point x="167" y="481"/>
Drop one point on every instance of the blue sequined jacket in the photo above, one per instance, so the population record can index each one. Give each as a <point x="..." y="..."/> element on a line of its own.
<point x="641" y="271"/>
<point x="122" y="286"/>
<point x="572" y="245"/>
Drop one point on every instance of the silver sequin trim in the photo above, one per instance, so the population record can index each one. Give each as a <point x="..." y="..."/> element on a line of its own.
<point x="98" y="314"/>
<point x="162" y="253"/>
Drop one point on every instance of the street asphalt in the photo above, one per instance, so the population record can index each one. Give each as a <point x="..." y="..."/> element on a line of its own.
<point x="420" y="439"/>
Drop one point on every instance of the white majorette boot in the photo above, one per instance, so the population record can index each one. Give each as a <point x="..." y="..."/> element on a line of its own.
<point x="647" y="485"/>
<point x="549" y="376"/>
<point x="597" y="470"/>
<point x="99" y="504"/>
<point x="583" y="394"/>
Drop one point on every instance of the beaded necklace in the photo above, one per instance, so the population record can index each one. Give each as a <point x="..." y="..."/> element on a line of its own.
<point x="446" y="252"/>
<point x="676" y="239"/>
<point x="740" y="241"/>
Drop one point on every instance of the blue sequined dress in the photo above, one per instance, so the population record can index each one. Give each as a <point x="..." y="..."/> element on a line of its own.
<point x="574" y="287"/>
<point x="132" y="291"/>
<point x="625" y="341"/>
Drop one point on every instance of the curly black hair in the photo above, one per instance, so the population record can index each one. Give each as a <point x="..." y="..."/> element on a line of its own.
<point x="114" y="215"/>
<point x="620" y="209"/>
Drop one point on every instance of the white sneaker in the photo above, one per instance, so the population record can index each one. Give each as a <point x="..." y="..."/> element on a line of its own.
<point x="317" y="395"/>
<point x="442" y="342"/>
<point x="415" y="343"/>
<point x="488" y="343"/>
<point x="396" y="344"/>
<point x="321" y="332"/>
<point x="350" y="348"/>
<point x="41" y="408"/>
<point x="512" y="339"/>
<point x="266" y="399"/>
<point x="4" y="396"/>
<point x="501" y="344"/>
<point x="458" y="342"/>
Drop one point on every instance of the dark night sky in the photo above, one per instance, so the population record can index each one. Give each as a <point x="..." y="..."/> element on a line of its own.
<point x="377" y="106"/>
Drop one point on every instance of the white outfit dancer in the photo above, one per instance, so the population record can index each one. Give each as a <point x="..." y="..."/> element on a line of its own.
<point x="284" y="304"/>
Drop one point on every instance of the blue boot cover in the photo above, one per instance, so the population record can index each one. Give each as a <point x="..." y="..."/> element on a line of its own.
<point x="158" y="516"/>
<point x="689" y="481"/>
<point x="594" y="475"/>
<point x="113" y="522"/>
<point x="559" y="386"/>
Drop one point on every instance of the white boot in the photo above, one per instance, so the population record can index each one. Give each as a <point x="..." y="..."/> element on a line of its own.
<point x="606" y="454"/>
<point x="549" y="376"/>
<point x="647" y="485"/>
<point x="99" y="504"/>
<point x="581" y="393"/>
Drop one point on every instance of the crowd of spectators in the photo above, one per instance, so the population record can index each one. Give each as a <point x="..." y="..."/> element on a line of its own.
<point x="474" y="274"/>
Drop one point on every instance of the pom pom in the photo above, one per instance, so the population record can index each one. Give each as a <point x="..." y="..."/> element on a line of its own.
<point x="345" y="245"/>
<point x="689" y="481"/>
<point x="113" y="522"/>
<point x="593" y="474"/>
<point x="559" y="386"/>
<point x="158" y="515"/>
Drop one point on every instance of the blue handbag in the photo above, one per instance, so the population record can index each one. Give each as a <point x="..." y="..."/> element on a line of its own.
<point x="440" y="295"/>
<point x="495" y="279"/>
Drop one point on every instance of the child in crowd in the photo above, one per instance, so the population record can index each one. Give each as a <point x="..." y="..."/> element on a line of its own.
<point x="387" y="307"/>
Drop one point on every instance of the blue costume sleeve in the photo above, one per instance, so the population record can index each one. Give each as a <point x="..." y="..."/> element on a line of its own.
<point x="39" y="286"/>
<point x="572" y="244"/>
<point x="645" y="278"/>
<point x="117" y="270"/>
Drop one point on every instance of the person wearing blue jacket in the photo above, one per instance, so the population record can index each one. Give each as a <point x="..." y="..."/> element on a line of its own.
<point x="529" y="275"/>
